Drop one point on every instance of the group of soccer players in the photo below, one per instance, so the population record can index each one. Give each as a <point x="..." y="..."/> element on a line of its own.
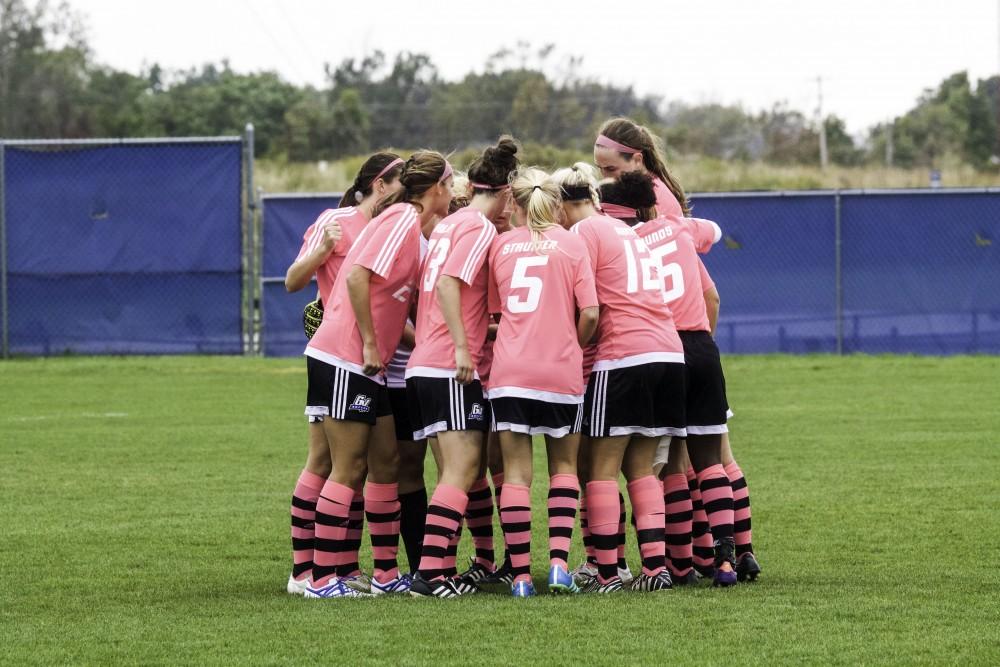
<point x="474" y="312"/>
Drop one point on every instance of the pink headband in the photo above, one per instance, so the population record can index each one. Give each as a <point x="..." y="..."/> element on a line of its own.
<point x="611" y="143"/>
<point x="618" y="211"/>
<point x="483" y="186"/>
<point x="388" y="168"/>
<point x="448" y="171"/>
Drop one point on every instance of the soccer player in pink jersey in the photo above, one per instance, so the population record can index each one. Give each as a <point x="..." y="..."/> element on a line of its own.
<point x="636" y="389"/>
<point x="324" y="246"/>
<point x="675" y="244"/>
<point x="542" y="286"/>
<point x="443" y="386"/>
<point x="361" y="330"/>
<point x="622" y="146"/>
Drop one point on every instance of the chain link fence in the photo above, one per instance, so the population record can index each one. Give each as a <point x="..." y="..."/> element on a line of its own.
<point x="125" y="246"/>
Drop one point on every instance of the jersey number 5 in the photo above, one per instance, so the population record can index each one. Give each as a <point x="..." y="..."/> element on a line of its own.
<point x="669" y="272"/>
<point x="521" y="280"/>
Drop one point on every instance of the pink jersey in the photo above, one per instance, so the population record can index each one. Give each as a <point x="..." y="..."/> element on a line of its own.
<point x="635" y="327"/>
<point x="389" y="246"/>
<point x="666" y="202"/>
<point x="706" y="279"/>
<point x="676" y="243"/>
<point x="458" y="247"/>
<point x="537" y="289"/>
<point x="352" y="221"/>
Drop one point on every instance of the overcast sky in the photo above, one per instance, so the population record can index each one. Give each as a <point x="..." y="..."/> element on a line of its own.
<point x="875" y="56"/>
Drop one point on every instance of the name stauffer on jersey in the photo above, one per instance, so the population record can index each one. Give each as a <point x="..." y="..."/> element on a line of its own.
<point x="529" y="246"/>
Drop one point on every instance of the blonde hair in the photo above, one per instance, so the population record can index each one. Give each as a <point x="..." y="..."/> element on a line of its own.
<point x="536" y="193"/>
<point x="580" y="175"/>
<point x="459" y="191"/>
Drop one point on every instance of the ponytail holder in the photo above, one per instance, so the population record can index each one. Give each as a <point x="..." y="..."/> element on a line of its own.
<point x="536" y="187"/>
<point x="387" y="168"/>
<point x="607" y="142"/>
<point x="619" y="211"/>
<point x="358" y="196"/>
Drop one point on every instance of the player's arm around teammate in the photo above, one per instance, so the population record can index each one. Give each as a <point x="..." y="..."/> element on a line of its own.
<point x="324" y="247"/>
<point x="363" y="326"/>
<point x="540" y="278"/>
<point x="443" y="385"/>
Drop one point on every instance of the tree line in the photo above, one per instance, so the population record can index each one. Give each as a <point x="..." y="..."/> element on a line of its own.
<point x="51" y="86"/>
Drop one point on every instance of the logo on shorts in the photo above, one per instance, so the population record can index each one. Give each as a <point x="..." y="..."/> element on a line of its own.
<point x="361" y="403"/>
<point x="477" y="412"/>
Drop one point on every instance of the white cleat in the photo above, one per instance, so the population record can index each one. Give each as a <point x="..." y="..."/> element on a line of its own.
<point x="334" y="589"/>
<point x="298" y="586"/>
<point x="625" y="575"/>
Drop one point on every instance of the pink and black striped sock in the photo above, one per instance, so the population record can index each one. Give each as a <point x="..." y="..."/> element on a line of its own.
<point x="382" y="512"/>
<point x="588" y="540"/>
<point x="564" y="496"/>
<point x="497" y="490"/>
<point x="444" y="514"/>
<point x="646" y="495"/>
<point x="303" y="513"/>
<point x="330" y="548"/>
<point x="701" y="534"/>
<point x="479" y="519"/>
<point x="622" y="516"/>
<point x="515" y="516"/>
<point x="741" y="509"/>
<point x="355" y="526"/>
<point x="451" y="556"/>
<point x="717" y="497"/>
<point x="603" y="511"/>
<point x="678" y="509"/>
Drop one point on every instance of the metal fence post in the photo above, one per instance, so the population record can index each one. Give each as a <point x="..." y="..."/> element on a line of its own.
<point x="5" y="345"/>
<point x="838" y="271"/>
<point x="249" y="252"/>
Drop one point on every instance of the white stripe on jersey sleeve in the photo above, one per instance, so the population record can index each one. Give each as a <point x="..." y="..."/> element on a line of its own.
<point x="392" y="243"/>
<point x="478" y="250"/>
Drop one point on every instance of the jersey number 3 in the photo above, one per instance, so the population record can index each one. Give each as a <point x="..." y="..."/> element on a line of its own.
<point x="521" y="280"/>
<point x="436" y="254"/>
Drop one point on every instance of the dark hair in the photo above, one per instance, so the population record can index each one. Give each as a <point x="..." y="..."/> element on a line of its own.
<point x="495" y="166"/>
<point x="629" y="133"/>
<point x="365" y="180"/>
<point x="420" y="173"/>
<point x="634" y="190"/>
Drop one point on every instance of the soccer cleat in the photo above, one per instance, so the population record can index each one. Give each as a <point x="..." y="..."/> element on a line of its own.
<point x="297" y="586"/>
<point x="476" y="574"/>
<point x="625" y="575"/>
<point x="360" y="582"/>
<point x="584" y="573"/>
<point x="611" y="586"/>
<point x="692" y="578"/>
<point x="523" y="589"/>
<point x="335" y="589"/>
<point x="502" y="575"/>
<point x="399" y="585"/>
<point x="747" y="567"/>
<point x="724" y="554"/>
<point x="658" y="582"/>
<point x="435" y="588"/>
<point x="463" y="587"/>
<point x="560" y="581"/>
<point x="706" y="571"/>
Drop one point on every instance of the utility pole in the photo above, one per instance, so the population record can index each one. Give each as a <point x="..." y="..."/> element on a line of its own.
<point x="824" y="158"/>
<point x="889" y="148"/>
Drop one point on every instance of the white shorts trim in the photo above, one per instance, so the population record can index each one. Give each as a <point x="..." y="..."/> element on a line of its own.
<point x="663" y="451"/>
<point x="428" y="372"/>
<point x="535" y="395"/>
<point x="317" y="410"/>
<point x="639" y="360"/>
<point x="615" y="431"/>
<point x="729" y="414"/>
<point x="328" y="358"/>
<point x="430" y="431"/>
<point x="534" y="430"/>
<point x="395" y="382"/>
<point x="715" y="429"/>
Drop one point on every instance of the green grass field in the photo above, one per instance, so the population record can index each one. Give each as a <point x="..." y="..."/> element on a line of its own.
<point x="145" y="501"/>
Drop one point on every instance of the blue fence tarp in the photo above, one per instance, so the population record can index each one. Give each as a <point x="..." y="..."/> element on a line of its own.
<point x="132" y="248"/>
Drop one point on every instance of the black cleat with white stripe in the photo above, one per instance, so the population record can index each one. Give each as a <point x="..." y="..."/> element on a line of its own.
<point x="658" y="582"/>
<point x="436" y="588"/>
<point x="611" y="586"/>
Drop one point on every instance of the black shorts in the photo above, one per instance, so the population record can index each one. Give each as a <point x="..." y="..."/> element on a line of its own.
<point x="442" y="404"/>
<point x="401" y="413"/>
<point x="534" y="417"/>
<point x="705" y="384"/>
<point x="647" y="399"/>
<point x="342" y="394"/>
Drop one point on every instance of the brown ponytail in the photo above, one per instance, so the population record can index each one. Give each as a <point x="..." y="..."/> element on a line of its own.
<point x="630" y="133"/>
<point x="367" y="175"/>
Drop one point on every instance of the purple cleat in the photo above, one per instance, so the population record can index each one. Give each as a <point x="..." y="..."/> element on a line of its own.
<point x="724" y="553"/>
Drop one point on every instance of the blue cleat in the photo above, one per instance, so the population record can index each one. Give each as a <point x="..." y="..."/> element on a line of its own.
<point x="523" y="589"/>
<point x="561" y="581"/>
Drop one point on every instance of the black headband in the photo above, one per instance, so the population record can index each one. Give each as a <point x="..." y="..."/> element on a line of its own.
<point x="575" y="192"/>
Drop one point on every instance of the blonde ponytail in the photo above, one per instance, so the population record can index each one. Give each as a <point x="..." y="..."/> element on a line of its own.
<point x="575" y="181"/>
<point x="536" y="193"/>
